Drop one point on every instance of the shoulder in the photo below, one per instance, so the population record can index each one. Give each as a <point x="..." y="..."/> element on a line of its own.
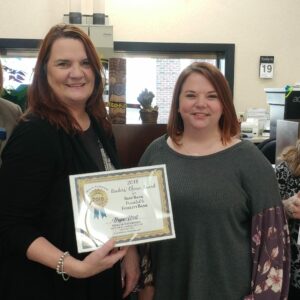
<point x="35" y="143"/>
<point x="257" y="177"/>
<point x="33" y="134"/>
<point x="157" y="144"/>
<point x="8" y="105"/>
<point x="251" y="164"/>
<point x="243" y="154"/>
<point x="248" y="146"/>
<point x="34" y="125"/>
<point x="154" y="149"/>
<point x="248" y="154"/>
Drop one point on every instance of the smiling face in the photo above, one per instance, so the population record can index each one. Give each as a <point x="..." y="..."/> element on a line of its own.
<point x="69" y="73"/>
<point x="199" y="105"/>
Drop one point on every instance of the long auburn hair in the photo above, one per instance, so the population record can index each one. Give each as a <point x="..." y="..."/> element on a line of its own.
<point x="291" y="155"/>
<point x="228" y="122"/>
<point x="41" y="99"/>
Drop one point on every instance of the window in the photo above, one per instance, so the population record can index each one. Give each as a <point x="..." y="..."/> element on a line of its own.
<point x="158" y="75"/>
<point x="18" y="67"/>
<point x="17" y="70"/>
<point x="156" y="66"/>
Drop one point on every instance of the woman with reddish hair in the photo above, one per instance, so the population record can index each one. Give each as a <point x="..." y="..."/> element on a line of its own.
<point x="231" y="234"/>
<point x="64" y="131"/>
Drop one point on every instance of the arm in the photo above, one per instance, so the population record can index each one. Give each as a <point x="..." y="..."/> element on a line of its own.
<point x="27" y="175"/>
<point x="271" y="255"/>
<point x="147" y="293"/>
<point x="130" y="271"/>
<point x="270" y="244"/>
<point x="96" y="262"/>
<point x="146" y="282"/>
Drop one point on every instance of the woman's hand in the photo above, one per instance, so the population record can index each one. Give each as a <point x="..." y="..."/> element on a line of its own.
<point x="292" y="206"/>
<point x="130" y="271"/>
<point x="147" y="293"/>
<point x="96" y="262"/>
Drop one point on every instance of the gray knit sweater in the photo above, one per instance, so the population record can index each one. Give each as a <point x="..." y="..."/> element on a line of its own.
<point x="213" y="198"/>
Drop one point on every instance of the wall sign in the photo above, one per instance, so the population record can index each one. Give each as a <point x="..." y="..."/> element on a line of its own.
<point x="266" y="66"/>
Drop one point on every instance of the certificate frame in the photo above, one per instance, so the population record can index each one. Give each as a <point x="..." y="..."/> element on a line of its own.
<point x="131" y="206"/>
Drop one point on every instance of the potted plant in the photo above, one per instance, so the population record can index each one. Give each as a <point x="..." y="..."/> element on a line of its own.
<point x="148" y="113"/>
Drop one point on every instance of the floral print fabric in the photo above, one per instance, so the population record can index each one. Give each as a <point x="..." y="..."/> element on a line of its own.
<point x="271" y="256"/>
<point x="146" y="277"/>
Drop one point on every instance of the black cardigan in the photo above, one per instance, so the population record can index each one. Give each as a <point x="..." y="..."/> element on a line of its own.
<point x="35" y="201"/>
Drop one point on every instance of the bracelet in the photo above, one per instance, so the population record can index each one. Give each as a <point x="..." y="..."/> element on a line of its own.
<point x="60" y="266"/>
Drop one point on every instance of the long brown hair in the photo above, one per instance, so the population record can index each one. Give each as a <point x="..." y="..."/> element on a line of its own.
<point x="228" y="123"/>
<point x="42" y="100"/>
<point x="291" y="155"/>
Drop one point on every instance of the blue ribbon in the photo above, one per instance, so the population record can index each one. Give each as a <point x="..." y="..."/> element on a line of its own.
<point x="98" y="212"/>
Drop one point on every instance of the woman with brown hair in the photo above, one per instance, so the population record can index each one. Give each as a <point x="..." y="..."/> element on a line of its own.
<point x="288" y="176"/>
<point x="231" y="234"/>
<point x="64" y="131"/>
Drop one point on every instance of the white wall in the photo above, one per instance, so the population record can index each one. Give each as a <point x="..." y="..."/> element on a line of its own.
<point x="256" y="27"/>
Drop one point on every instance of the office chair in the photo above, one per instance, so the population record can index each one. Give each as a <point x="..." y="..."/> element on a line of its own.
<point x="268" y="148"/>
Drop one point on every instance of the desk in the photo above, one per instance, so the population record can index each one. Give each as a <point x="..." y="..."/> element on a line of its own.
<point x="256" y="139"/>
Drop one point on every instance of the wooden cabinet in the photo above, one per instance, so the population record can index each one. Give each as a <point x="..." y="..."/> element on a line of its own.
<point x="133" y="139"/>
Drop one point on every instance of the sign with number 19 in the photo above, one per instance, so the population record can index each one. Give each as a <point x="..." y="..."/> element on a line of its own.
<point x="266" y="66"/>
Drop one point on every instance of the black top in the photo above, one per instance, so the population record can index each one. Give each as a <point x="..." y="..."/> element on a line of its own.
<point x="35" y="201"/>
<point x="92" y="144"/>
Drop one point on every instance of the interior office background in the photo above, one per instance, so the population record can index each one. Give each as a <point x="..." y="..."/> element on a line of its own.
<point x="256" y="27"/>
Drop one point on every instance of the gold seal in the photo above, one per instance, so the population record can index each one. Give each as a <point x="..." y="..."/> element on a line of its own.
<point x="98" y="197"/>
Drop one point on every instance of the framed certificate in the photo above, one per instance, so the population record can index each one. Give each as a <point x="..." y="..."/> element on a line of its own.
<point x="132" y="206"/>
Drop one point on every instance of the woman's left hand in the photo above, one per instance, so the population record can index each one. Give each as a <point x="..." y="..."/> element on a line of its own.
<point x="130" y="270"/>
